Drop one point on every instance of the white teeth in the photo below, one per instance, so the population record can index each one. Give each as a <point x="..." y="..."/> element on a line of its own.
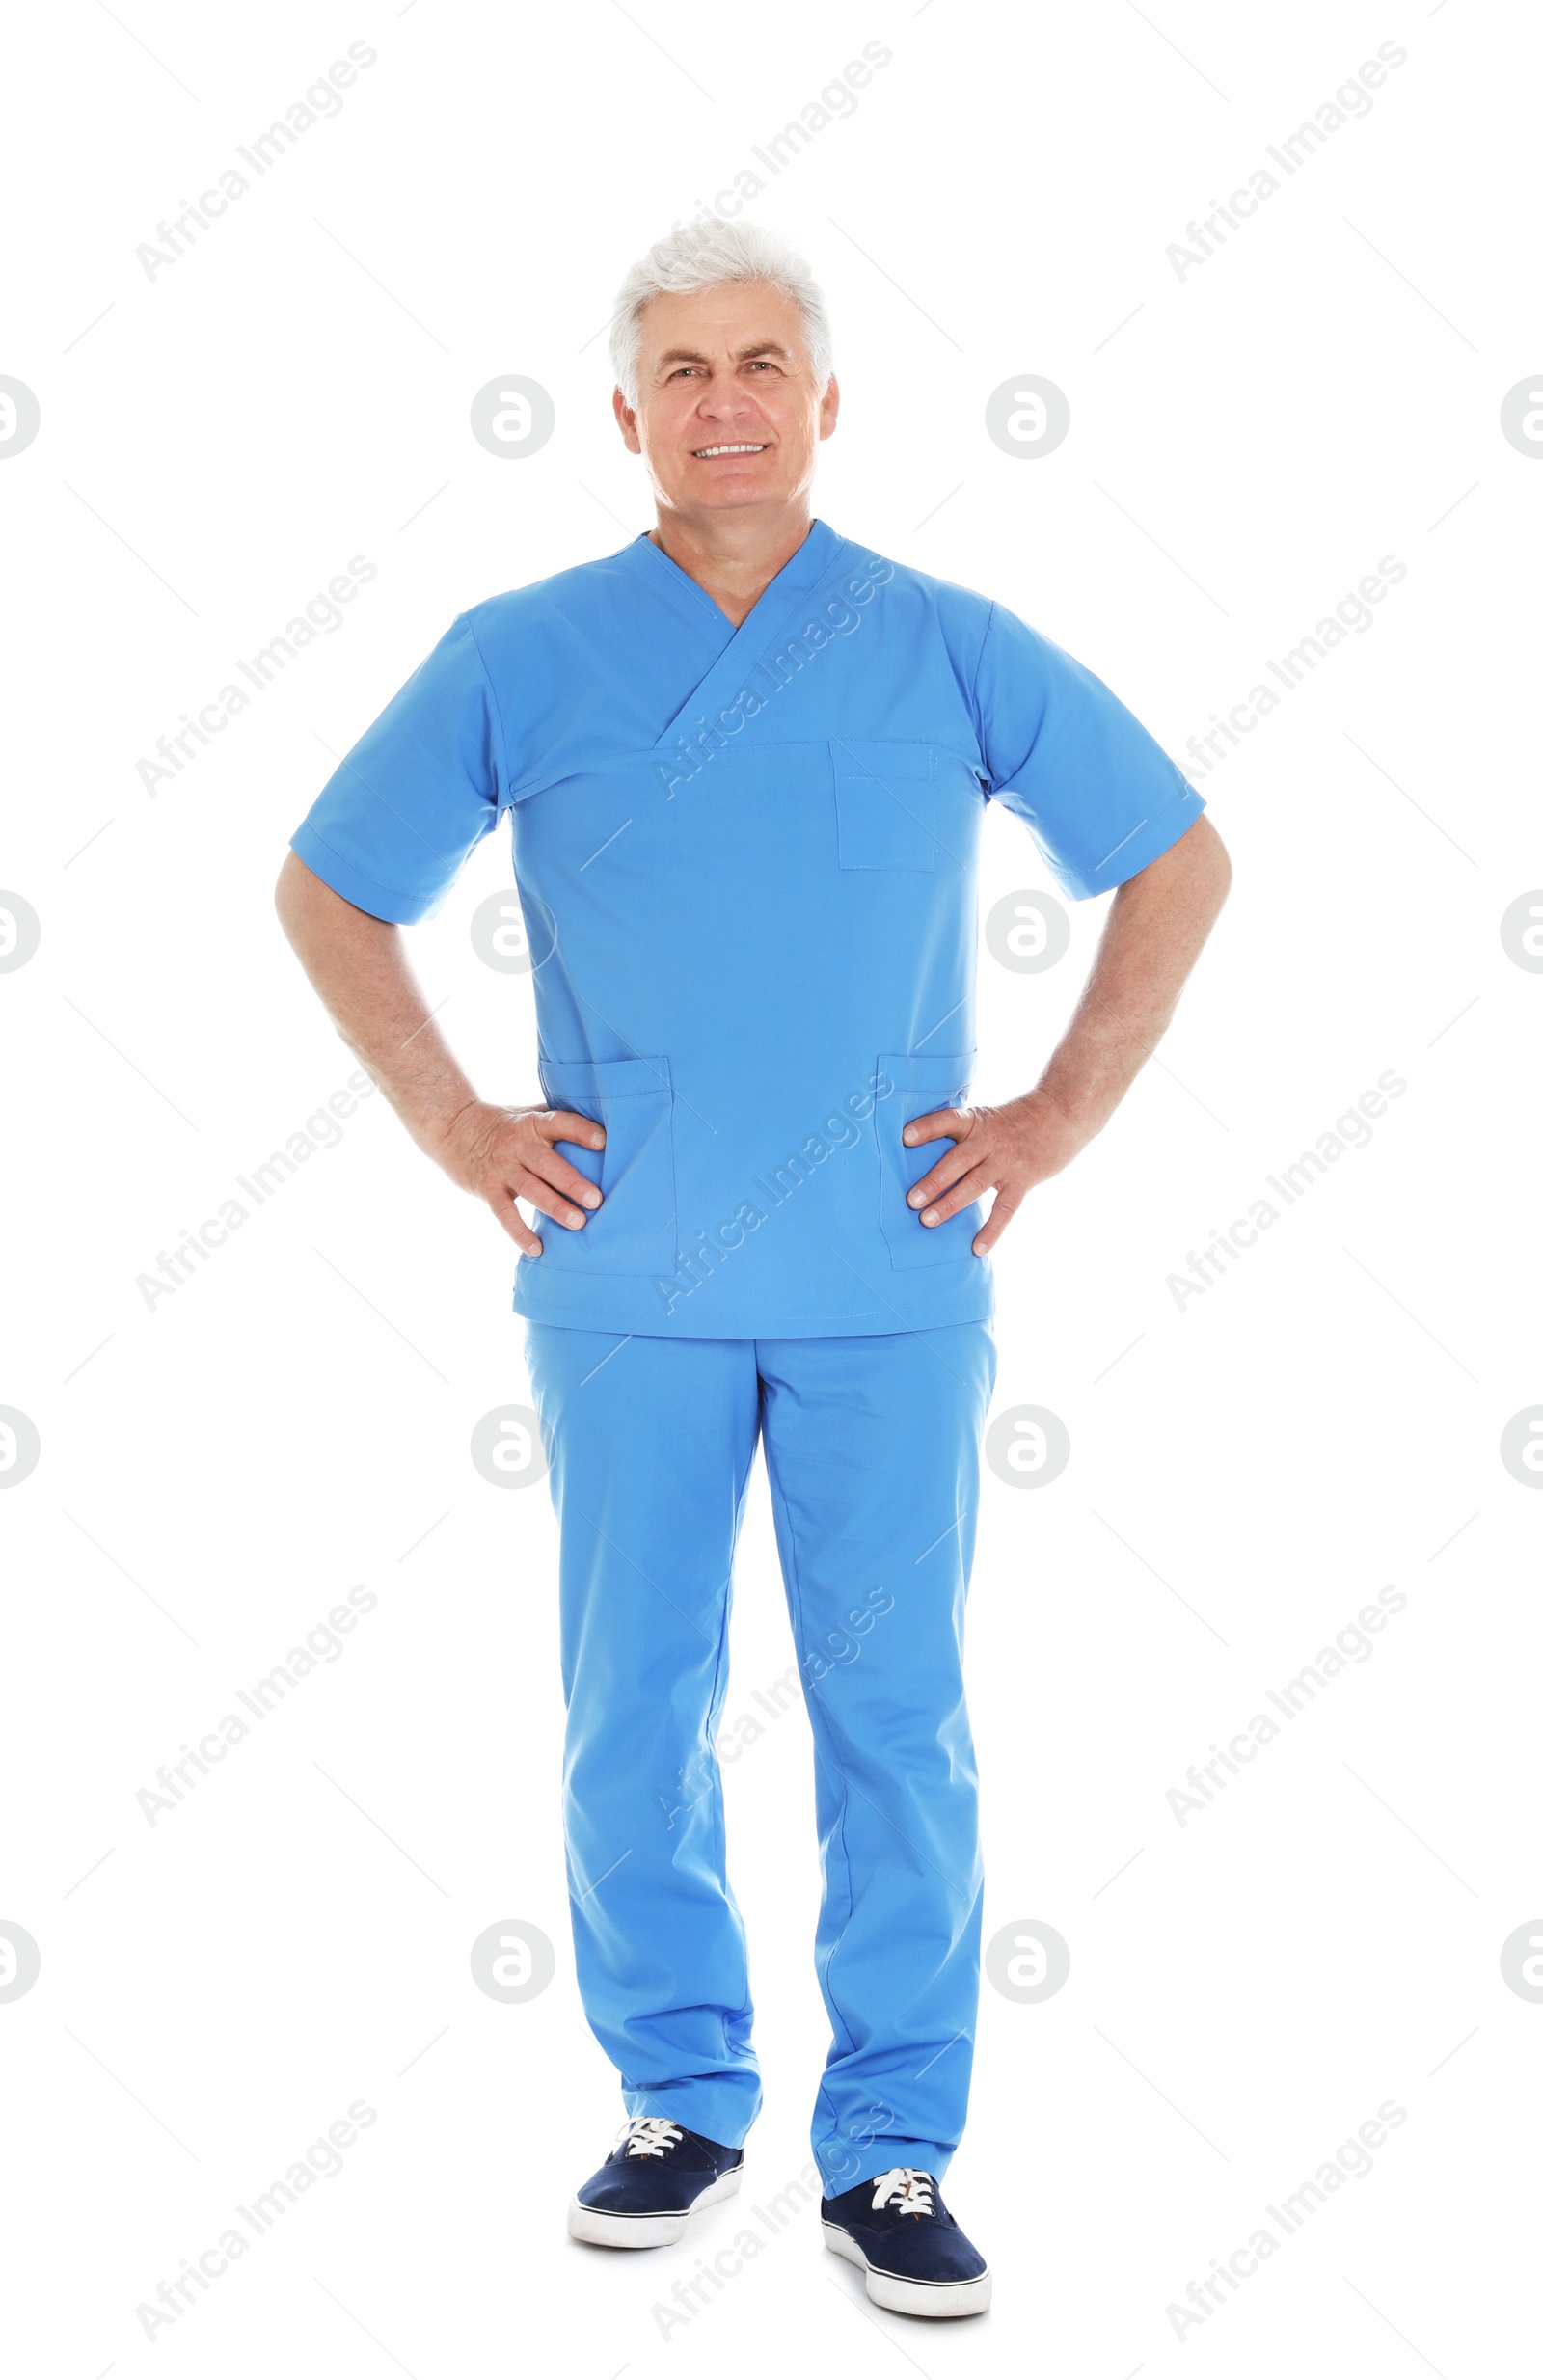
<point x="700" y="451"/>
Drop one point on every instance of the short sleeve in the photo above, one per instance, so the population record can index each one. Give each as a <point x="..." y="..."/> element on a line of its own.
<point x="1101" y="797"/>
<point x="392" y="827"/>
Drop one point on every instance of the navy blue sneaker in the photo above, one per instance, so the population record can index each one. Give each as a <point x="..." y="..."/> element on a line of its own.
<point x="651" y="2185"/>
<point x="897" y="2230"/>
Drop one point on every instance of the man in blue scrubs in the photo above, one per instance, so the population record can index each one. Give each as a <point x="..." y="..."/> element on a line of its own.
<point x="745" y="763"/>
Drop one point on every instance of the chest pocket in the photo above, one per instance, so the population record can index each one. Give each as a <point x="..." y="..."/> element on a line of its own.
<point x="886" y="804"/>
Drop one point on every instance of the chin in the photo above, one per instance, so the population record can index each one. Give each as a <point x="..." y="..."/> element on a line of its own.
<point x="738" y="483"/>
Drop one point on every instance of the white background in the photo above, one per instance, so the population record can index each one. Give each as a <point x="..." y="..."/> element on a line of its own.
<point x="1247" y="1471"/>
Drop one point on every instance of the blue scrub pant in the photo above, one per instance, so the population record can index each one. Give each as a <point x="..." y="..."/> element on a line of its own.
<point x="872" y="1453"/>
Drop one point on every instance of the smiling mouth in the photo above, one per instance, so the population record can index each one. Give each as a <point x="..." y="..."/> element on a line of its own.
<point x="703" y="454"/>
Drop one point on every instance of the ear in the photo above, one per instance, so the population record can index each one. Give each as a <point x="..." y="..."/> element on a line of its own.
<point x="626" y="422"/>
<point x="830" y="407"/>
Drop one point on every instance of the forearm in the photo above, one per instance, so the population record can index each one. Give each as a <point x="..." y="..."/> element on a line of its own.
<point x="359" y="968"/>
<point x="1156" y="928"/>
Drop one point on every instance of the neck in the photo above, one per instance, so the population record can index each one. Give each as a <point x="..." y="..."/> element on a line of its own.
<point x="734" y="561"/>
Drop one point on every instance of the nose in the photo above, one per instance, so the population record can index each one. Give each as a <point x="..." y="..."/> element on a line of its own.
<point x="725" y="400"/>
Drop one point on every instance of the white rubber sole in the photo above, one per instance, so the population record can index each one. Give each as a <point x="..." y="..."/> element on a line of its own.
<point x="941" y="2300"/>
<point x="607" y="2230"/>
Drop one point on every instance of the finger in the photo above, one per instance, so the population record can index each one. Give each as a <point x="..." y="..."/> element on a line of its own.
<point x="950" y="1124"/>
<point x="1004" y="1207"/>
<point x="506" y="1215"/>
<point x="949" y="1169"/>
<point x="974" y="1185"/>
<point x="547" y="1201"/>
<point x="562" y="1177"/>
<point x="561" y="1123"/>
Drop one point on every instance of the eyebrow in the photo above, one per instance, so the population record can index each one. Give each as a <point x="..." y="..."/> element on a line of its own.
<point x="743" y="355"/>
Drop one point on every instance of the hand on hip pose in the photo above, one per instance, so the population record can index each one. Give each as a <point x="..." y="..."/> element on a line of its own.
<point x="1006" y="1149"/>
<point x="505" y="1154"/>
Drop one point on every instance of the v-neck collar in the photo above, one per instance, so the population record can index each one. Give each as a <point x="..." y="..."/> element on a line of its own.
<point x="821" y="560"/>
<point x="800" y="571"/>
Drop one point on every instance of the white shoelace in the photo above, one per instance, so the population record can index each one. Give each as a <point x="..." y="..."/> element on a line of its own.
<point x="908" y="2191"/>
<point x="649" y="2136"/>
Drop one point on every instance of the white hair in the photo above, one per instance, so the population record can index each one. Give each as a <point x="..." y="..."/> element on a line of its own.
<point x="709" y="254"/>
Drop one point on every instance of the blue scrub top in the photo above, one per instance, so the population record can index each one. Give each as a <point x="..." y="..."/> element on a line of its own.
<point x="747" y="861"/>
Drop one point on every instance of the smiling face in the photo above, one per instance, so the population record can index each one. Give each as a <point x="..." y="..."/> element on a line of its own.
<point x="728" y="419"/>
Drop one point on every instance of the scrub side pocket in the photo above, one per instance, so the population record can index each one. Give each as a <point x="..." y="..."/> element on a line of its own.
<point x="921" y="1085"/>
<point x="634" y="1230"/>
<point x="886" y="804"/>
